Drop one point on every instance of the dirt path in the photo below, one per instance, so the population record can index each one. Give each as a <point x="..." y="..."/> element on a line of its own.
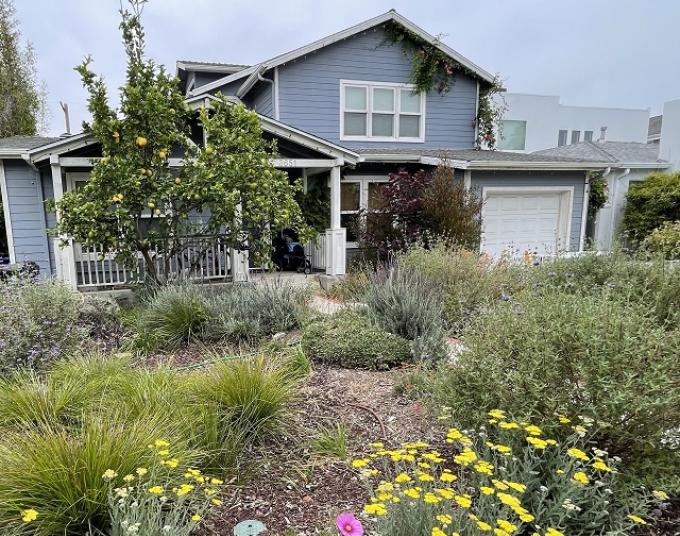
<point x="296" y="492"/>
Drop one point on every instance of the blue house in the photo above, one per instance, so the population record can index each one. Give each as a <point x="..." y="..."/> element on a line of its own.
<point x="345" y="115"/>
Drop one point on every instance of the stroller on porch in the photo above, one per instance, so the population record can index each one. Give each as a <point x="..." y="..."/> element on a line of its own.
<point x="289" y="254"/>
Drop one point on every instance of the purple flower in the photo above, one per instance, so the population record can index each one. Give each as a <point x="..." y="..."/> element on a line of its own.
<point x="348" y="525"/>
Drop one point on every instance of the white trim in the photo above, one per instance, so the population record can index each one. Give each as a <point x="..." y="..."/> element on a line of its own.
<point x="339" y="36"/>
<point x="467" y="179"/>
<point x="584" y="213"/>
<point x="566" y="208"/>
<point x="61" y="146"/>
<point x="476" y="114"/>
<point x="7" y="214"/>
<point x="223" y="81"/>
<point x="277" y="115"/>
<point x="370" y="87"/>
<point x="200" y="67"/>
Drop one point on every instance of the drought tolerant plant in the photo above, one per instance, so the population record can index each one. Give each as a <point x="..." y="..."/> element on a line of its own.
<point x="348" y="339"/>
<point x="332" y="440"/>
<point x="553" y="352"/>
<point x="665" y="240"/>
<point x="405" y="303"/>
<point x="511" y="477"/>
<point x="39" y="324"/>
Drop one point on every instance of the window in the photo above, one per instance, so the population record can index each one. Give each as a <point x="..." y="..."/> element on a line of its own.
<point x="513" y="135"/>
<point x="575" y="136"/>
<point x="381" y="111"/>
<point x="588" y="135"/>
<point x="562" y="138"/>
<point x="359" y="194"/>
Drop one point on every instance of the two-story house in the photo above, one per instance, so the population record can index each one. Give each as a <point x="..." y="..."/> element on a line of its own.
<point x="344" y="115"/>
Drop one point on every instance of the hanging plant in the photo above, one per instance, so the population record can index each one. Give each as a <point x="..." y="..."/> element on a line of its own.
<point x="432" y="68"/>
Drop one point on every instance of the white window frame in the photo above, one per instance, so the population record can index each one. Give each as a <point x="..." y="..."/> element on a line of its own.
<point x="369" y="87"/>
<point x="363" y="181"/>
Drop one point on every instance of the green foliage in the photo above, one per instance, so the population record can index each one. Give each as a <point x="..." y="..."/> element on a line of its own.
<point x="405" y="303"/>
<point x="554" y="352"/>
<point x="467" y="282"/>
<point x="348" y="339"/>
<point x="665" y="240"/>
<point x="135" y="203"/>
<point x="598" y="194"/>
<point x="39" y="324"/>
<point x="332" y="440"/>
<point x="651" y="203"/>
<point x="23" y="101"/>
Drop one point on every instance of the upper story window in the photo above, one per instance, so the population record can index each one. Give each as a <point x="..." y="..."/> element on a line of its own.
<point x="513" y="135"/>
<point x="575" y="136"/>
<point x="562" y="138"/>
<point x="380" y="111"/>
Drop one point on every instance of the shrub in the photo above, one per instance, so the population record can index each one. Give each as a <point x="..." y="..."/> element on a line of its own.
<point x="505" y="479"/>
<point x="348" y="339"/>
<point x="576" y="355"/>
<point x="405" y="303"/>
<point x="332" y="440"/>
<point x="468" y="282"/>
<point x="665" y="239"/>
<point x="39" y="324"/>
<point x="651" y="203"/>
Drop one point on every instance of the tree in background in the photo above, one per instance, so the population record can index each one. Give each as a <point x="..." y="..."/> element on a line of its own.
<point x="135" y="204"/>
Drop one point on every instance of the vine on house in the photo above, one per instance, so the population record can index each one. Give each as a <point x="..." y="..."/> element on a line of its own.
<point x="432" y="68"/>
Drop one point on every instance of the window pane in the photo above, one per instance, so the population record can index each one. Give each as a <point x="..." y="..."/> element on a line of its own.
<point x="575" y="136"/>
<point x="409" y="126"/>
<point x="513" y="136"/>
<point x="383" y="125"/>
<point x="349" y="222"/>
<point x="383" y="100"/>
<point x="410" y="101"/>
<point x="588" y="135"/>
<point x="355" y="98"/>
<point x="375" y="200"/>
<point x="349" y="196"/>
<point x="562" y="138"/>
<point x="355" y="124"/>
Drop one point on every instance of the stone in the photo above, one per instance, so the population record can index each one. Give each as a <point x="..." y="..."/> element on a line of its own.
<point x="250" y="527"/>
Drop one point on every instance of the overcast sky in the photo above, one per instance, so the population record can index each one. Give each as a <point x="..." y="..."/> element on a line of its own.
<point x="615" y="53"/>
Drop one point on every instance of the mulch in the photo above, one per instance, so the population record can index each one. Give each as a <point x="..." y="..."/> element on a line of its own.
<point x="295" y="492"/>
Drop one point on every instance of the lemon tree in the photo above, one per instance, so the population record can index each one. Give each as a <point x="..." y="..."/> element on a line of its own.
<point x="136" y="204"/>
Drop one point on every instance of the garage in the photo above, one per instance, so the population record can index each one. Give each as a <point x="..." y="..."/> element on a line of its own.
<point x="516" y="220"/>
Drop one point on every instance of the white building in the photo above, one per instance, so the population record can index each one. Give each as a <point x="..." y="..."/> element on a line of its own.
<point x="669" y="140"/>
<point x="536" y="122"/>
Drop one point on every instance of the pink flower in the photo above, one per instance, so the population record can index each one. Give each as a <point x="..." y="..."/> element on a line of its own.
<point x="348" y="525"/>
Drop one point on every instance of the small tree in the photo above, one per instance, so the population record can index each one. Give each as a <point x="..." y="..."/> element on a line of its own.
<point x="651" y="203"/>
<point x="135" y="203"/>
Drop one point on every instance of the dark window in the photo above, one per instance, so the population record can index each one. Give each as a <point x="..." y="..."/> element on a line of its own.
<point x="562" y="139"/>
<point x="575" y="136"/>
<point x="588" y="135"/>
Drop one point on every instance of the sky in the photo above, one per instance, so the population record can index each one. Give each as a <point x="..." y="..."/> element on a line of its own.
<point x="612" y="53"/>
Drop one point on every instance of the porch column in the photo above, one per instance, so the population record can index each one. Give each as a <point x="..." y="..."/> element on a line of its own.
<point x="336" y="236"/>
<point x="240" y="271"/>
<point x="64" y="257"/>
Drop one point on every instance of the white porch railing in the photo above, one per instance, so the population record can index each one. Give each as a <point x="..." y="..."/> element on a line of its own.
<point x="200" y="259"/>
<point x="316" y="250"/>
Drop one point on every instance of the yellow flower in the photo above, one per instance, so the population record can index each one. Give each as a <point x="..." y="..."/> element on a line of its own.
<point x="402" y="478"/>
<point x="376" y="509"/>
<point x="216" y="481"/>
<point x="636" y="519"/>
<point x="128" y="478"/>
<point x="444" y="519"/>
<point x="509" y="500"/>
<point x="524" y="516"/>
<point x="424" y="477"/>
<point x="377" y="445"/>
<point x="484" y="527"/>
<point x="516" y="486"/>
<point x="661" y="495"/>
<point x="447" y="493"/>
<point x="412" y="493"/>
<point x="164" y="452"/>
<point x="560" y="471"/>
<point x="537" y="443"/>
<point x="563" y="419"/>
<point x="171" y="463"/>
<point x="508" y="425"/>
<point x="436" y="531"/>
<point x="109" y="474"/>
<point x="581" y="478"/>
<point x="580" y="430"/>
<point x="484" y="467"/>
<point x="156" y="490"/>
<point x="466" y="457"/>
<point x="553" y="532"/>
<point x="29" y="515"/>
<point x="464" y="501"/>
<point x="578" y="454"/>
<point x="501" y="532"/>
<point x="497" y="414"/>
<point x="533" y="430"/>
<point x="486" y="490"/>
<point x="500" y="485"/>
<point x="160" y="443"/>
<point x="196" y="518"/>
<point x="425" y="465"/>
<point x="431" y="498"/>
<point x="358" y="464"/>
<point x="184" y="489"/>
<point x="601" y="466"/>
<point x="448" y="477"/>
<point x="506" y="525"/>
<point x="502" y="449"/>
<point x="141" y="471"/>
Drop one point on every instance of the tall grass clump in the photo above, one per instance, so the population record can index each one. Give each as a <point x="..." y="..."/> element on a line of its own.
<point x="405" y="303"/>
<point x="553" y="352"/>
<point x="39" y="324"/>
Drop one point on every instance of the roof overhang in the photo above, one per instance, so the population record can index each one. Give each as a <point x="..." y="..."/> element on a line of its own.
<point x="391" y="16"/>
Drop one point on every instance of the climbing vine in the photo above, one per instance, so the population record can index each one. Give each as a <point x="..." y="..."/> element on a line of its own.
<point x="432" y="68"/>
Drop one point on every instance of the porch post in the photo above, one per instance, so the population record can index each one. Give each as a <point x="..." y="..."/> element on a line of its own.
<point x="240" y="271"/>
<point x="64" y="256"/>
<point x="336" y="236"/>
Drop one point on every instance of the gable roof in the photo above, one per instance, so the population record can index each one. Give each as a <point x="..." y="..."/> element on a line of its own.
<point x="391" y="16"/>
<point x="612" y="152"/>
<point x="18" y="144"/>
<point x="209" y="67"/>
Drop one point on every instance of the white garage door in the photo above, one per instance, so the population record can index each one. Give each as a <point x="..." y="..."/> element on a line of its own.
<point x="516" y="221"/>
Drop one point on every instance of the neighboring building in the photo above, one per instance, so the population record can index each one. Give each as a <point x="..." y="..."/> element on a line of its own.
<point x="669" y="140"/>
<point x="535" y="122"/>
<point x="344" y="115"/>
<point x="627" y="163"/>
<point x="654" y="129"/>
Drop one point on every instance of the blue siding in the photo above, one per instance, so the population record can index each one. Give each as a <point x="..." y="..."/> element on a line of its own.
<point x="228" y="90"/>
<point x="309" y="93"/>
<point x="261" y="99"/>
<point x="27" y="214"/>
<point x="480" y="179"/>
